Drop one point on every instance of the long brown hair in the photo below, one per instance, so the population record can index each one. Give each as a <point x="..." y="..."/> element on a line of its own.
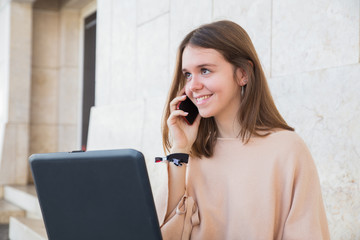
<point x="257" y="114"/>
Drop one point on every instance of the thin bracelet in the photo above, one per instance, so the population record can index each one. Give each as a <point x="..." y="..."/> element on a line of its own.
<point x="177" y="158"/>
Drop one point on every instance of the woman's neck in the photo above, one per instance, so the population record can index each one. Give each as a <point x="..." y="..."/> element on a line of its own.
<point x="228" y="127"/>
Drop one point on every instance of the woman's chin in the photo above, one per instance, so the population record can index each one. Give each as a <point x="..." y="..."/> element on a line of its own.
<point x="205" y="114"/>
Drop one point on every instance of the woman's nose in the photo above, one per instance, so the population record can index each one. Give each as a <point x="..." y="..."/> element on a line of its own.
<point x="195" y="83"/>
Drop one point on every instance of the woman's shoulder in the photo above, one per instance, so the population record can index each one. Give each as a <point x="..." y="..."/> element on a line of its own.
<point x="281" y="143"/>
<point x="290" y="145"/>
<point x="285" y="137"/>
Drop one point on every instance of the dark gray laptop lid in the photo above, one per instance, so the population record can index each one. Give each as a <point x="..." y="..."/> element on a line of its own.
<point x="95" y="195"/>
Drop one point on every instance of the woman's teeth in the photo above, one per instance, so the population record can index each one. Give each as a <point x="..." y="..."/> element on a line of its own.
<point x="202" y="98"/>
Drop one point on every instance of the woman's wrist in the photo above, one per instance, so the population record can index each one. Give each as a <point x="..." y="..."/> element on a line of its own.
<point x="179" y="150"/>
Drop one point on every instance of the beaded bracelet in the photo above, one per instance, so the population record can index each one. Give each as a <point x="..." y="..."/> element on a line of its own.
<point x="177" y="158"/>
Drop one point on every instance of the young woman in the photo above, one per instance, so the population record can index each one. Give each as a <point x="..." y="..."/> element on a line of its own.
<point x="249" y="176"/>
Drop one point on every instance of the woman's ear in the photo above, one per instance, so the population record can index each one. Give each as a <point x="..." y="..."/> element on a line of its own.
<point x="241" y="77"/>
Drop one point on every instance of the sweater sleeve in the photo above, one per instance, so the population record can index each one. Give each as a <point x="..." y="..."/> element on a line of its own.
<point x="306" y="218"/>
<point x="178" y="224"/>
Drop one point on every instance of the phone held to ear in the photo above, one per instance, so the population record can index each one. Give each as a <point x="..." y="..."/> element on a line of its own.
<point x="188" y="106"/>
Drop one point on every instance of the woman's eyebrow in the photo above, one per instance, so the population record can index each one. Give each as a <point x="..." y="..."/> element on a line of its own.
<point x="201" y="66"/>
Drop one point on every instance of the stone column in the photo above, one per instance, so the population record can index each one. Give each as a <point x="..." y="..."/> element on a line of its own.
<point x="15" y="79"/>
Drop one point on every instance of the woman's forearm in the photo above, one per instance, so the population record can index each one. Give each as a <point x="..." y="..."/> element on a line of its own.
<point x="177" y="186"/>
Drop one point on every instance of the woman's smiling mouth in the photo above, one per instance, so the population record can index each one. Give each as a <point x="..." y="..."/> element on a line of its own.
<point x="202" y="99"/>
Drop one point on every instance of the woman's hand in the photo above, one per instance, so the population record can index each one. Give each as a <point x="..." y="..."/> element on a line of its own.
<point x="183" y="135"/>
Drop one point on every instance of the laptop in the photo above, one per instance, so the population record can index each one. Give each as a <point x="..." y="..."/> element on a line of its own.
<point x="102" y="194"/>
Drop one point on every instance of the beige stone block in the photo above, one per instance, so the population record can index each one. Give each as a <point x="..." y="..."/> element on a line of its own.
<point x="255" y="18"/>
<point x="104" y="52"/>
<point x="13" y="165"/>
<point x="123" y="85"/>
<point x="116" y="126"/>
<point x="308" y="37"/>
<point x="4" y="60"/>
<point x="19" y="97"/>
<point x="152" y="137"/>
<point x="51" y="5"/>
<point x="152" y="58"/>
<point x="44" y="96"/>
<point x="4" y="30"/>
<point x="186" y="15"/>
<point x="43" y="138"/>
<point x="26" y="228"/>
<point x="22" y="153"/>
<point x="69" y="96"/>
<point x="4" y="93"/>
<point x="8" y="210"/>
<point x="69" y="38"/>
<point x="7" y="166"/>
<point x="25" y="197"/>
<point x="75" y="4"/>
<point x="45" y="39"/>
<point x="147" y="12"/>
<point x="20" y="61"/>
<point x="325" y="112"/>
<point x="68" y="138"/>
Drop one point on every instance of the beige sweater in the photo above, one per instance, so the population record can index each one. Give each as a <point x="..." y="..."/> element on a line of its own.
<point x="266" y="189"/>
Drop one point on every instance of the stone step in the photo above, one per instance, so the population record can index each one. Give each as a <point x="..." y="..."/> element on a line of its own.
<point x="24" y="197"/>
<point x="26" y="228"/>
<point x="8" y="210"/>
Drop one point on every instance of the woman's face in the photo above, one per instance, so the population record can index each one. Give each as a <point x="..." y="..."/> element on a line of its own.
<point x="210" y="82"/>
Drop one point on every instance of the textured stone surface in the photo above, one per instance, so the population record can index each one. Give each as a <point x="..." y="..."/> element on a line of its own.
<point x="325" y="112"/>
<point x="15" y="150"/>
<point x="68" y="138"/>
<point x="185" y="15"/>
<point x="69" y="38"/>
<point x="15" y="69"/>
<point x="103" y="52"/>
<point x="255" y="18"/>
<point x="69" y="96"/>
<point x="4" y="64"/>
<point x="44" y="96"/>
<point x="146" y="12"/>
<point x="116" y="126"/>
<point x="152" y="57"/>
<point x="123" y="85"/>
<point x="26" y="228"/>
<point x="43" y="138"/>
<point x="46" y="35"/>
<point x="20" y="62"/>
<point x="8" y="210"/>
<point x="315" y="35"/>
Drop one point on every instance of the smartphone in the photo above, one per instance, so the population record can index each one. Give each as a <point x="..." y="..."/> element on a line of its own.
<point x="188" y="106"/>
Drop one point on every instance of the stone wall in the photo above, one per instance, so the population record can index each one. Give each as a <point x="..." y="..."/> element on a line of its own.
<point x="310" y="53"/>
<point x="15" y="81"/>
<point x="40" y="81"/>
<point x="56" y="94"/>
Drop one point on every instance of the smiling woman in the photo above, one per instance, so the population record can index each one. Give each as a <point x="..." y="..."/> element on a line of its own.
<point x="249" y="175"/>
<point x="210" y="84"/>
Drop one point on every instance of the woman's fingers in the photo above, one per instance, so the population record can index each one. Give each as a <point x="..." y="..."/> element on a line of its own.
<point x="175" y="102"/>
<point x="174" y="115"/>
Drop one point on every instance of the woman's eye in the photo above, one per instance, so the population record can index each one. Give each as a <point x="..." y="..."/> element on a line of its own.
<point x="205" y="71"/>
<point x="187" y="75"/>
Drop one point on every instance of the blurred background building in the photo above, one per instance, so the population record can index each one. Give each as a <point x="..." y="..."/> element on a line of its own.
<point x="87" y="74"/>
